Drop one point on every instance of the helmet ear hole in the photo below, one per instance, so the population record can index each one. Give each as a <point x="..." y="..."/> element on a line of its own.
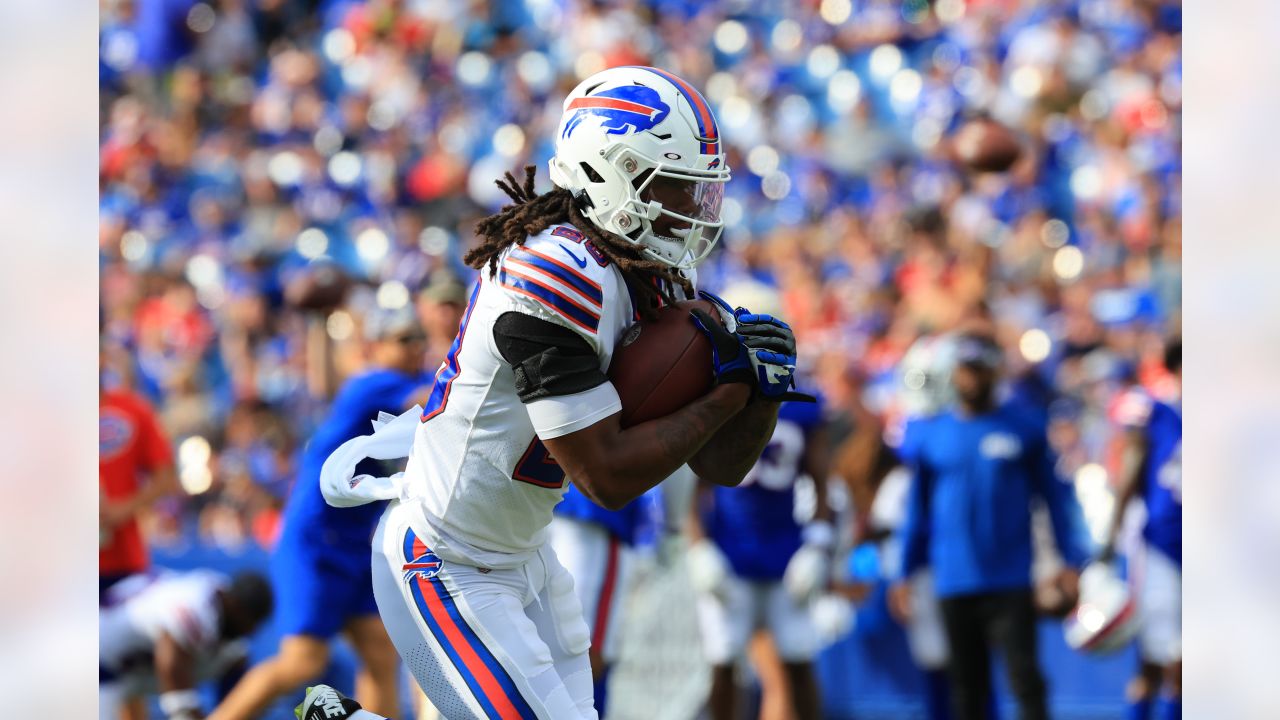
<point x="591" y="173"/>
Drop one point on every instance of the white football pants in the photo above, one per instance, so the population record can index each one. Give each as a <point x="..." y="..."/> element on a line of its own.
<point x="491" y="644"/>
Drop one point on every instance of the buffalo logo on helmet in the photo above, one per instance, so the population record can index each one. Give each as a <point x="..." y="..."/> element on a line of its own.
<point x="621" y="110"/>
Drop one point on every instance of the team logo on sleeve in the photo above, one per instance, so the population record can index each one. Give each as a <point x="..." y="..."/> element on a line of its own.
<point x="620" y="111"/>
<point x="114" y="433"/>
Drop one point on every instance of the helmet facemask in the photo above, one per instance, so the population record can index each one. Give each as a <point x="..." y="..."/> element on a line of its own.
<point x="672" y="214"/>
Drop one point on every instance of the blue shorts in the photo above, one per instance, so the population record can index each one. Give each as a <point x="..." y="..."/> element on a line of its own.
<point x="320" y="587"/>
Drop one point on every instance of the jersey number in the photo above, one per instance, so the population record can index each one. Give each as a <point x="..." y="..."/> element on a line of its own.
<point x="569" y="233"/>
<point x="537" y="467"/>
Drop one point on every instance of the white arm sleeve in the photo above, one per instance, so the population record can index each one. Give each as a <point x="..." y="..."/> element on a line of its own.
<point x="560" y="415"/>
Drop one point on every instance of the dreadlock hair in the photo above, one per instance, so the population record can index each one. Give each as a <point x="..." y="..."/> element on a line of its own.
<point x="532" y="213"/>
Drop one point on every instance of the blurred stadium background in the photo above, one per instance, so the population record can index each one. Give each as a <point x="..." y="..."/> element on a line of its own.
<point x="250" y="148"/>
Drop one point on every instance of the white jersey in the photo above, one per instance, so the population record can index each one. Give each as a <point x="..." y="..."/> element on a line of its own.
<point x="142" y="608"/>
<point x="482" y="481"/>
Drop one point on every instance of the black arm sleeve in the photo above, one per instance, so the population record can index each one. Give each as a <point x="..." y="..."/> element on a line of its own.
<point x="548" y="359"/>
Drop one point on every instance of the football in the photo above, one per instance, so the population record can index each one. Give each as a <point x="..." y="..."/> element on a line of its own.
<point x="984" y="145"/>
<point x="662" y="365"/>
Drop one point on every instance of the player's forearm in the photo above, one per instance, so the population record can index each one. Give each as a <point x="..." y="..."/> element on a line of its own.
<point x="175" y="677"/>
<point x="638" y="458"/>
<point x="693" y="528"/>
<point x="729" y="455"/>
<point x="162" y="483"/>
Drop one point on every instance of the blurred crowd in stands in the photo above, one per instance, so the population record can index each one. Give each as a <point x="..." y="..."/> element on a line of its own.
<point x="245" y="143"/>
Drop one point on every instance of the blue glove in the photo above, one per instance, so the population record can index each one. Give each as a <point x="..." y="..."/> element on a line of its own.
<point x="726" y="310"/>
<point x="729" y="359"/>
<point x="772" y="348"/>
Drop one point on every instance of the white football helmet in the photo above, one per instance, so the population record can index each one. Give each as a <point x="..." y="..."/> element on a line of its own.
<point x="925" y="375"/>
<point x="643" y="147"/>
<point x="1106" y="618"/>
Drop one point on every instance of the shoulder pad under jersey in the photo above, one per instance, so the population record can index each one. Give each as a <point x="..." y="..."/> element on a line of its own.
<point x="560" y="276"/>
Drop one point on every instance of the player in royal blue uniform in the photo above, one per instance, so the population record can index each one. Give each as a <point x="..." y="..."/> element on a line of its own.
<point x="977" y="467"/>
<point x="1153" y="471"/>
<point x="755" y="567"/>
<point x="320" y="567"/>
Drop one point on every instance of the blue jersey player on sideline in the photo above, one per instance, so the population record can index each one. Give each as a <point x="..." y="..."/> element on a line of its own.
<point x="754" y="566"/>
<point x="320" y="566"/>
<point x="977" y="468"/>
<point x="1153" y="471"/>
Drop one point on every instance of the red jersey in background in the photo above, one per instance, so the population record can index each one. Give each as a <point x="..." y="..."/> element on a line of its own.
<point x="130" y="444"/>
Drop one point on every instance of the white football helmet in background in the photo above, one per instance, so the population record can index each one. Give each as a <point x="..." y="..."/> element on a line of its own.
<point x="925" y="375"/>
<point x="1106" y="618"/>
<point x="643" y="147"/>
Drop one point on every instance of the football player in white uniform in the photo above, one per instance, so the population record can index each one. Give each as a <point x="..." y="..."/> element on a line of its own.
<point x="475" y="601"/>
<point x="1153" y="472"/>
<point x="166" y="633"/>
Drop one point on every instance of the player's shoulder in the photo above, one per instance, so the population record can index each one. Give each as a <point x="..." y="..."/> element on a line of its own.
<point x="379" y="380"/>
<point x="915" y="433"/>
<point x="559" y="275"/>
<point x="565" y="245"/>
<point x="920" y="425"/>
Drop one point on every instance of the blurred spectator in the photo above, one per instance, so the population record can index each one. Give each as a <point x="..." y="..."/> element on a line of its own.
<point x="135" y="469"/>
<point x="977" y="467"/>
<point x="440" y="306"/>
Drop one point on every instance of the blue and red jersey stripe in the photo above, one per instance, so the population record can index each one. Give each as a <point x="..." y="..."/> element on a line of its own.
<point x="551" y="298"/>
<point x="449" y="371"/>
<point x="565" y="273"/>
<point x="488" y="681"/>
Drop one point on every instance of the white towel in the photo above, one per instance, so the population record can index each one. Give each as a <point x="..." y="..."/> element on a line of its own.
<point x="392" y="438"/>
